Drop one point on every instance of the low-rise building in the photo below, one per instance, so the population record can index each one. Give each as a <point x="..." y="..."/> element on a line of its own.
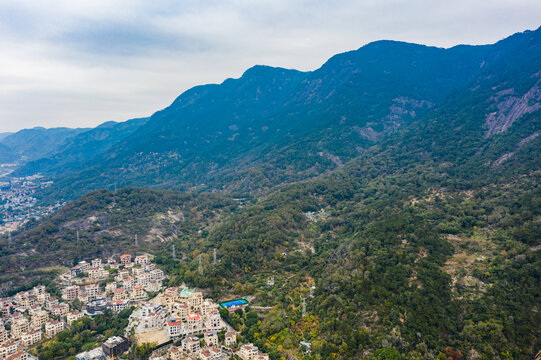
<point x="251" y="352"/>
<point x="119" y="305"/>
<point x="120" y="294"/>
<point x="70" y="293"/>
<point x="138" y="293"/>
<point x="92" y="290"/>
<point x="230" y="338"/>
<point x="30" y="338"/>
<point x="7" y="349"/>
<point x="94" y="354"/>
<point x="20" y="355"/>
<point x="175" y="353"/>
<point x="210" y="354"/>
<point x="4" y="335"/>
<point x="74" y="316"/>
<point x="115" y="346"/>
<point x="53" y="328"/>
<point x="211" y="338"/>
<point x="191" y="345"/>
<point x="19" y="327"/>
<point x="141" y="260"/>
<point x="175" y="328"/>
<point x="96" y="263"/>
<point x="60" y="309"/>
<point x="125" y="259"/>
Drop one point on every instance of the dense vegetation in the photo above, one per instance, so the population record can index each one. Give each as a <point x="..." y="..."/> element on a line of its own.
<point x="107" y="223"/>
<point x="426" y="246"/>
<point x="84" y="335"/>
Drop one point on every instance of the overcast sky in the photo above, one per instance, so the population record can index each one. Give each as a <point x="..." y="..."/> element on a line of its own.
<point x="80" y="63"/>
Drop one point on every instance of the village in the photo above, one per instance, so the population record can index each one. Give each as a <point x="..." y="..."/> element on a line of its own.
<point x="179" y="322"/>
<point x="17" y="202"/>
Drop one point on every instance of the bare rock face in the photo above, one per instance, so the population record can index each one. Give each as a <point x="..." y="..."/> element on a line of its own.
<point x="510" y="107"/>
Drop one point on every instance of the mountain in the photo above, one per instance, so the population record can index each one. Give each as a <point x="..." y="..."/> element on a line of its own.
<point x="30" y="144"/>
<point x="426" y="245"/>
<point x="3" y="135"/>
<point x="6" y="154"/>
<point x="275" y="126"/>
<point x="79" y="150"/>
<point x="106" y="223"/>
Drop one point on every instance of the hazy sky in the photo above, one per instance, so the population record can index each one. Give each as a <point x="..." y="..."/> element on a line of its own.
<point x="80" y="63"/>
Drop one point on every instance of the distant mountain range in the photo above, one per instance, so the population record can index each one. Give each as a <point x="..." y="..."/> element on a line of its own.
<point x="275" y="126"/>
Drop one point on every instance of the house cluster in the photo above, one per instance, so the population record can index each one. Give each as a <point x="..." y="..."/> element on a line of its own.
<point x="180" y="316"/>
<point x="31" y="315"/>
<point x="132" y="282"/>
<point x="180" y="311"/>
<point x="190" y="349"/>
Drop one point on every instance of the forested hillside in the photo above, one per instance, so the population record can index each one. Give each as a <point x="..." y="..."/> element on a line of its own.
<point x="107" y="223"/>
<point x="275" y="126"/>
<point x="30" y="144"/>
<point x="424" y="245"/>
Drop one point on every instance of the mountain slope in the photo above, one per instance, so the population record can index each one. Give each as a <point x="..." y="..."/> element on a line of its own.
<point x="78" y="151"/>
<point x="6" y="154"/>
<point x="425" y="246"/>
<point x="275" y="126"/>
<point x="30" y="144"/>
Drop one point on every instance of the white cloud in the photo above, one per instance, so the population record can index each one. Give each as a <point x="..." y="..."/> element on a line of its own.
<point x="80" y="63"/>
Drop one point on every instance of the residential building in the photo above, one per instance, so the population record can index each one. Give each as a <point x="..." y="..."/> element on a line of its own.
<point x="70" y="293"/>
<point x="119" y="305"/>
<point x="92" y="290"/>
<point x="4" y="335"/>
<point x="175" y="328"/>
<point x="230" y="338"/>
<point x="54" y="327"/>
<point x="94" y="354"/>
<point x="96" y="263"/>
<point x="20" y="355"/>
<point x="7" y="349"/>
<point x="175" y="353"/>
<point x="120" y="294"/>
<point x="19" y="327"/>
<point x="115" y="346"/>
<point x="210" y="354"/>
<point x="39" y="318"/>
<point x="84" y="266"/>
<point x="138" y="293"/>
<point x="60" y="309"/>
<point x="30" y="338"/>
<point x="141" y="260"/>
<point x="74" y="316"/>
<point x="211" y="338"/>
<point x="191" y="345"/>
<point x="125" y="259"/>
<point x="251" y="352"/>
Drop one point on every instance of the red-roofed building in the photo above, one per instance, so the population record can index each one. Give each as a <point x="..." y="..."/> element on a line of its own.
<point x="175" y="328"/>
<point x="125" y="259"/>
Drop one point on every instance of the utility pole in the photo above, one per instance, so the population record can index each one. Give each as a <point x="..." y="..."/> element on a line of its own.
<point x="174" y="252"/>
<point x="77" y="237"/>
<point x="214" y="261"/>
<point x="136" y="243"/>
<point x="200" y="265"/>
<point x="10" y="239"/>
<point x="303" y="307"/>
